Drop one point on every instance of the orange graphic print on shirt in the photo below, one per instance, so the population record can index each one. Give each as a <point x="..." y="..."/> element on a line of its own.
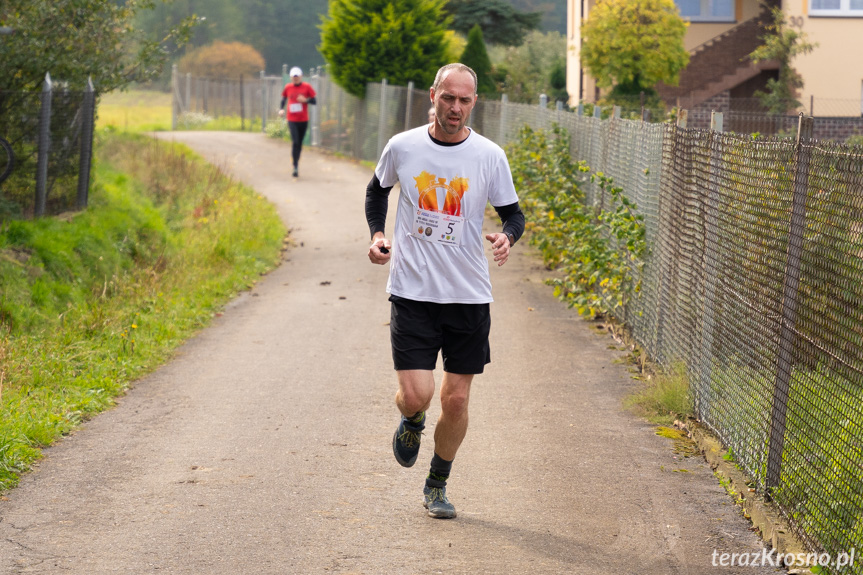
<point x="434" y="190"/>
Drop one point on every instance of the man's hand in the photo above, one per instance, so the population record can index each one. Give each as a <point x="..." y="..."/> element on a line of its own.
<point x="379" y="251"/>
<point x="500" y="247"/>
<point x="302" y="99"/>
<point x="281" y="113"/>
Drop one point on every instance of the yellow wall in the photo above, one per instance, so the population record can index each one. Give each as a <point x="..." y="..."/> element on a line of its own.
<point x="833" y="71"/>
<point x="573" y="41"/>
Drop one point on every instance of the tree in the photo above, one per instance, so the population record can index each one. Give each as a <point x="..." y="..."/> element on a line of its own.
<point x="284" y="31"/>
<point x="631" y="45"/>
<point x="222" y="59"/>
<point x="524" y="72"/>
<point x="476" y="56"/>
<point x="557" y="80"/>
<point x="501" y="24"/>
<point x="74" y="40"/>
<point x="369" y="40"/>
<point x="783" y="44"/>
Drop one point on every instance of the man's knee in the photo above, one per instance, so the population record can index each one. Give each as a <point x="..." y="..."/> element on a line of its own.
<point x="454" y="403"/>
<point x="415" y="391"/>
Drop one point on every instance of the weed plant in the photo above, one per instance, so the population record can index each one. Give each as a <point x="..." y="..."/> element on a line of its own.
<point x="664" y="398"/>
<point x="598" y="252"/>
<point x="93" y="301"/>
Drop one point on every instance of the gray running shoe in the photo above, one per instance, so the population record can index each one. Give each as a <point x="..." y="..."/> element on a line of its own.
<point x="434" y="499"/>
<point x="406" y="441"/>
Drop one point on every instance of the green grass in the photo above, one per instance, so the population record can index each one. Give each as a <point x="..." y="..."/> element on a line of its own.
<point x="150" y="111"/>
<point x="134" y="111"/>
<point x="663" y="398"/>
<point x="93" y="301"/>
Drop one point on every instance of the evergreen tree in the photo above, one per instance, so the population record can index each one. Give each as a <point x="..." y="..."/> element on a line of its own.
<point x="369" y="40"/>
<point x="476" y="56"/>
<point x="557" y="80"/>
<point x="501" y="23"/>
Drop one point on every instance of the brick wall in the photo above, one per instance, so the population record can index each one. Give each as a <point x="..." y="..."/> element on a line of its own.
<point x="837" y="129"/>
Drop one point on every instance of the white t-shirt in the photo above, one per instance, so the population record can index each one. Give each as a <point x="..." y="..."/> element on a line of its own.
<point x="443" y="183"/>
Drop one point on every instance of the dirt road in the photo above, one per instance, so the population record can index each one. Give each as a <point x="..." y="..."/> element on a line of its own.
<point x="264" y="447"/>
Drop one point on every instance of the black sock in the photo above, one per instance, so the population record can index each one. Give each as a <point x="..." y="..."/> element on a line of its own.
<point x="439" y="472"/>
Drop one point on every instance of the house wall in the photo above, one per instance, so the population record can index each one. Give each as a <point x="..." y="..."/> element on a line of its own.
<point x="581" y="87"/>
<point x="573" y="41"/>
<point x="833" y="72"/>
<point x="699" y="33"/>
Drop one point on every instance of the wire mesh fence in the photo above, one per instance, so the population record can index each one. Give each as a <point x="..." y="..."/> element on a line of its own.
<point x="753" y="281"/>
<point x="247" y="102"/>
<point x="51" y="136"/>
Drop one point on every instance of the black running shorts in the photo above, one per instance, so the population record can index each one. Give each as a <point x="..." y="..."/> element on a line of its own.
<point x="419" y="330"/>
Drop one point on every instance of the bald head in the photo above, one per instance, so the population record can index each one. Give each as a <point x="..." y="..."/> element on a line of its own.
<point x="456" y="67"/>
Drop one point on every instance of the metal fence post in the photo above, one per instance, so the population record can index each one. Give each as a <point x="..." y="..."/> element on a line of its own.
<point x="264" y="102"/>
<point x="86" y="153"/>
<point x="188" y="92"/>
<point x="410" y="96"/>
<point x="711" y="244"/>
<point x="503" y="127"/>
<point x="44" y="146"/>
<point x="315" y="114"/>
<point x="242" y="106"/>
<point x="543" y="111"/>
<point x="789" y="304"/>
<point x="175" y="92"/>
<point x="381" y="119"/>
<point x="340" y="143"/>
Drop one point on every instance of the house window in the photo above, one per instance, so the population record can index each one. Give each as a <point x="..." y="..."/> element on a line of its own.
<point x="710" y="10"/>
<point x="836" y="8"/>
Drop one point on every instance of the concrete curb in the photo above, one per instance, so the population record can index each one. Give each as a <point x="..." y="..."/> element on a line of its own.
<point x="764" y="516"/>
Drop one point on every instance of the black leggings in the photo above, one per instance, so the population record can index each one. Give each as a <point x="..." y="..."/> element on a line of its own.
<point x="298" y="132"/>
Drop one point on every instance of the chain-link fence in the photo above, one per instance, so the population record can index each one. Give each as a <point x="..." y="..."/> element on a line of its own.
<point x="753" y="281"/>
<point x="51" y="134"/>
<point x="249" y="101"/>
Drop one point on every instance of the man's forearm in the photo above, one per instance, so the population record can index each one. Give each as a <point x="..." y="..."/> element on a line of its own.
<point x="513" y="220"/>
<point x="377" y="203"/>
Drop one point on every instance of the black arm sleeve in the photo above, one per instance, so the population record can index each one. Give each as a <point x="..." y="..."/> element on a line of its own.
<point x="312" y="100"/>
<point x="282" y="105"/>
<point x="512" y="218"/>
<point x="377" y="202"/>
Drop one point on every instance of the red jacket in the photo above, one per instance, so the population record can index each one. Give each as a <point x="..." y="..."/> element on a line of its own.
<point x="297" y="112"/>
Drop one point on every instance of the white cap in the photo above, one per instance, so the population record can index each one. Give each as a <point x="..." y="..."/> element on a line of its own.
<point x="296" y="71"/>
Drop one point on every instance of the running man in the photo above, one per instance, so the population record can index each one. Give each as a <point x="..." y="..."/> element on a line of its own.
<point x="298" y="95"/>
<point x="439" y="283"/>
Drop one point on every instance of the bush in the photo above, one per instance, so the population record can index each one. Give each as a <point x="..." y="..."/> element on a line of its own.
<point x="598" y="252"/>
<point x="222" y="60"/>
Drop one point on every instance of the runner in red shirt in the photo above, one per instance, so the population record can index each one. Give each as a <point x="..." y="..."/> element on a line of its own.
<point x="298" y="95"/>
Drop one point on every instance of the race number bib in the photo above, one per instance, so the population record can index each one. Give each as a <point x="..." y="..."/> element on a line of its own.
<point x="295" y="107"/>
<point x="442" y="229"/>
